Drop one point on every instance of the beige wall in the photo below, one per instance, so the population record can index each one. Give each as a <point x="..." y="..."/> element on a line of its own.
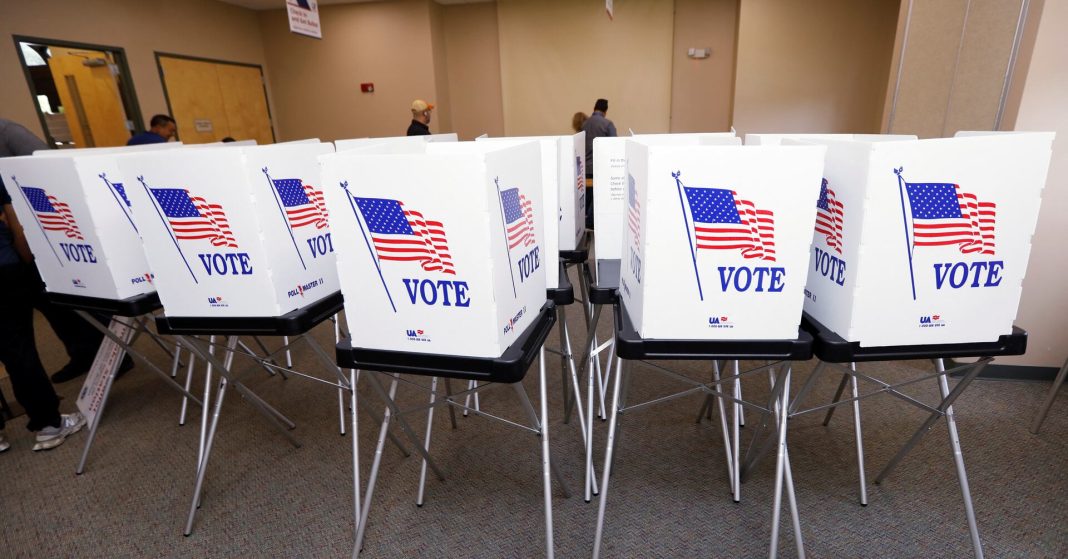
<point x="559" y="56"/>
<point x="204" y="28"/>
<point x="952" y="66"/>
<point x="442" y="99"/>
<point x="388" y="43"/>
<point x="813" y="66"/>
<point x="702" y="89"/>
<point x="473" y="62"/>
<point x="1042" y="106"/>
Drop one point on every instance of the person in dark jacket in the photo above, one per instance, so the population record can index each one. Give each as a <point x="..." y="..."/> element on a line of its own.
<point x="596" y="126"/>
<point x="420" y="125"/>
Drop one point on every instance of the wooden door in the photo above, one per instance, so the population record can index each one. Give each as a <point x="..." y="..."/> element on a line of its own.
<point x="90" y="97"/>
<point x="245" y="103"/>
<point x="212" y="100"/>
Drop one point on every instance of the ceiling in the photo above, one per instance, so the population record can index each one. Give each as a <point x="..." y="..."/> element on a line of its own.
<point x="279" y="4"/>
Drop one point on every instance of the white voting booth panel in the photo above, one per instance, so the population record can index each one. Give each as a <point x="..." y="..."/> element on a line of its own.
<point x="99" y="151"/>
<point x="926" y="241"/>
<point x="77" y="222"/>
<point x="776" y="139"/>
<point x="610" y="175"/>
<point x="439" y="252"/>
<point x="355" y="143"/>
<point x="569" y="176"/>
<point x="234" y="231"/>
<point x="717" y="246"/>
<point x="550" y="258"/>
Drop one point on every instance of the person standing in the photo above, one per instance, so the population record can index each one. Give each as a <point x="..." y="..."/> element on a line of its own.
<point x="161" y="129"/>
<point x="18" y="350"/>
<point x="79" y="338"/>
<point x="596" y="126"/>
<point x="420" y="125"/>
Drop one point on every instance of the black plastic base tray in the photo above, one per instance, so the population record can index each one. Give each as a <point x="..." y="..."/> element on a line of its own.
<point x="290" y="324"/>
<point x="564" y="293"/>
<point x="508" y="368"/>
<point x="605" y="291"/>
<point x="630" y="345"/>
<point x="579" y="255"/>
<point x="134" y="306"/>
<point x="832" y="348"/>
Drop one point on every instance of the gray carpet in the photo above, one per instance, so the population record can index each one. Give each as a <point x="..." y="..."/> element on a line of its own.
<point x="668" y="498"/>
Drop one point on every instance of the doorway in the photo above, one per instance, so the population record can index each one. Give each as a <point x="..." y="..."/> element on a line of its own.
<point x="83" y="93"/>
<point x="214" y="99"/>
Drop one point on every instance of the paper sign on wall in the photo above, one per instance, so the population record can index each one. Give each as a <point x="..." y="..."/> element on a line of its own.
<point x="304" y="18"/>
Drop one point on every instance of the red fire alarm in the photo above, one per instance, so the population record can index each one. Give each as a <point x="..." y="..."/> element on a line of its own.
<point x="367" y="87"/>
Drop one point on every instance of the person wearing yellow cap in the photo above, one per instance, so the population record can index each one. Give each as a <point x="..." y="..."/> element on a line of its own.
<point x="420" y="118"/>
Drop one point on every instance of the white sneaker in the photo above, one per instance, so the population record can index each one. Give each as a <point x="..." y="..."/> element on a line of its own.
<point x="51" y="437"/>
<point x="4" y="445"/>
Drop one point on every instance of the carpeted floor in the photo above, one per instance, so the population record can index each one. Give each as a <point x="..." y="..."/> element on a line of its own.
<point x="668" y="498"/>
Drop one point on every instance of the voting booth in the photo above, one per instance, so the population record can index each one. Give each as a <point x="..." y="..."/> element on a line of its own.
<point x="234" y="231"/>
<point x="77" y="219"/>
<point x="926" y="241"/>
<point x="610" y="176"/>
<point x="440" y="251"/>
<point x="355" y="143"/>
<point x="717" y="239"/>
<point x="776" y="139"/>
<point x="564" y="163"/>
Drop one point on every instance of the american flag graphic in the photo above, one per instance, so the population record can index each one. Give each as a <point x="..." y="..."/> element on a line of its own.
<point x="830" y="215"/>
<point x="722" y="221"/>
<point x="634" y="210"/>
<point x="122" y="192"/>
<point x="404" y="235"/>
<point x="943" y="214"/>
<point x="193" y="218"/>
<point x="304" y="204"/>
<point x="518" y="218"/>
<point x="53" y="214"/>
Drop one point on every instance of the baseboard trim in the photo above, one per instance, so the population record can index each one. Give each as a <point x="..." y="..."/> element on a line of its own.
<point x="1017" y="372"/>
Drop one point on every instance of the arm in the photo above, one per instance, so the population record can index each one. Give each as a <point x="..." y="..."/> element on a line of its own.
<point x="612" y="129"/>
<point x="21" y="246"/>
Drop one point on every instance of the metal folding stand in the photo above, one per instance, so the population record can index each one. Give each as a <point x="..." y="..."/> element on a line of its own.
<point x="510" y="368"/>
<point x="1040" y="415"/>
<point x="631" y="347"/>
<point x="296" y="323"/>
<point x="136" y="311"/>
<point x="834" y="351"/>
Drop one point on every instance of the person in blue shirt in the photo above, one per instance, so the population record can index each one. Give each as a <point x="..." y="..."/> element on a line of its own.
<point x="162" y="129"/>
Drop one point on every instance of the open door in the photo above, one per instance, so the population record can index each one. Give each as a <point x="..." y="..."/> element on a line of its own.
<point x="82" y="93"/>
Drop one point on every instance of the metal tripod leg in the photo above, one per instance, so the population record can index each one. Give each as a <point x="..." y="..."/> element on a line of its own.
<point x="275" y="417"/>
<point x="546" y="462"/>
<point x="858" y="433"/>
<point x="448" y="397"/>
<point x="945" y="408"/>
<point x="723" y="425"/>
<point x="606" y="472"/>
<point x="426" y="446"/>
<point x="361" y="526"/>
<point x="958" y="460"/>
<point x="355" y="450"/>
<point x="780" y="462"/>
<point x="837" y="398"/>
<point x="537" y="423"/>
<point x="392" y="404"/>
<point x="340" y="390"/>
<point x="1040" y="416"/>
